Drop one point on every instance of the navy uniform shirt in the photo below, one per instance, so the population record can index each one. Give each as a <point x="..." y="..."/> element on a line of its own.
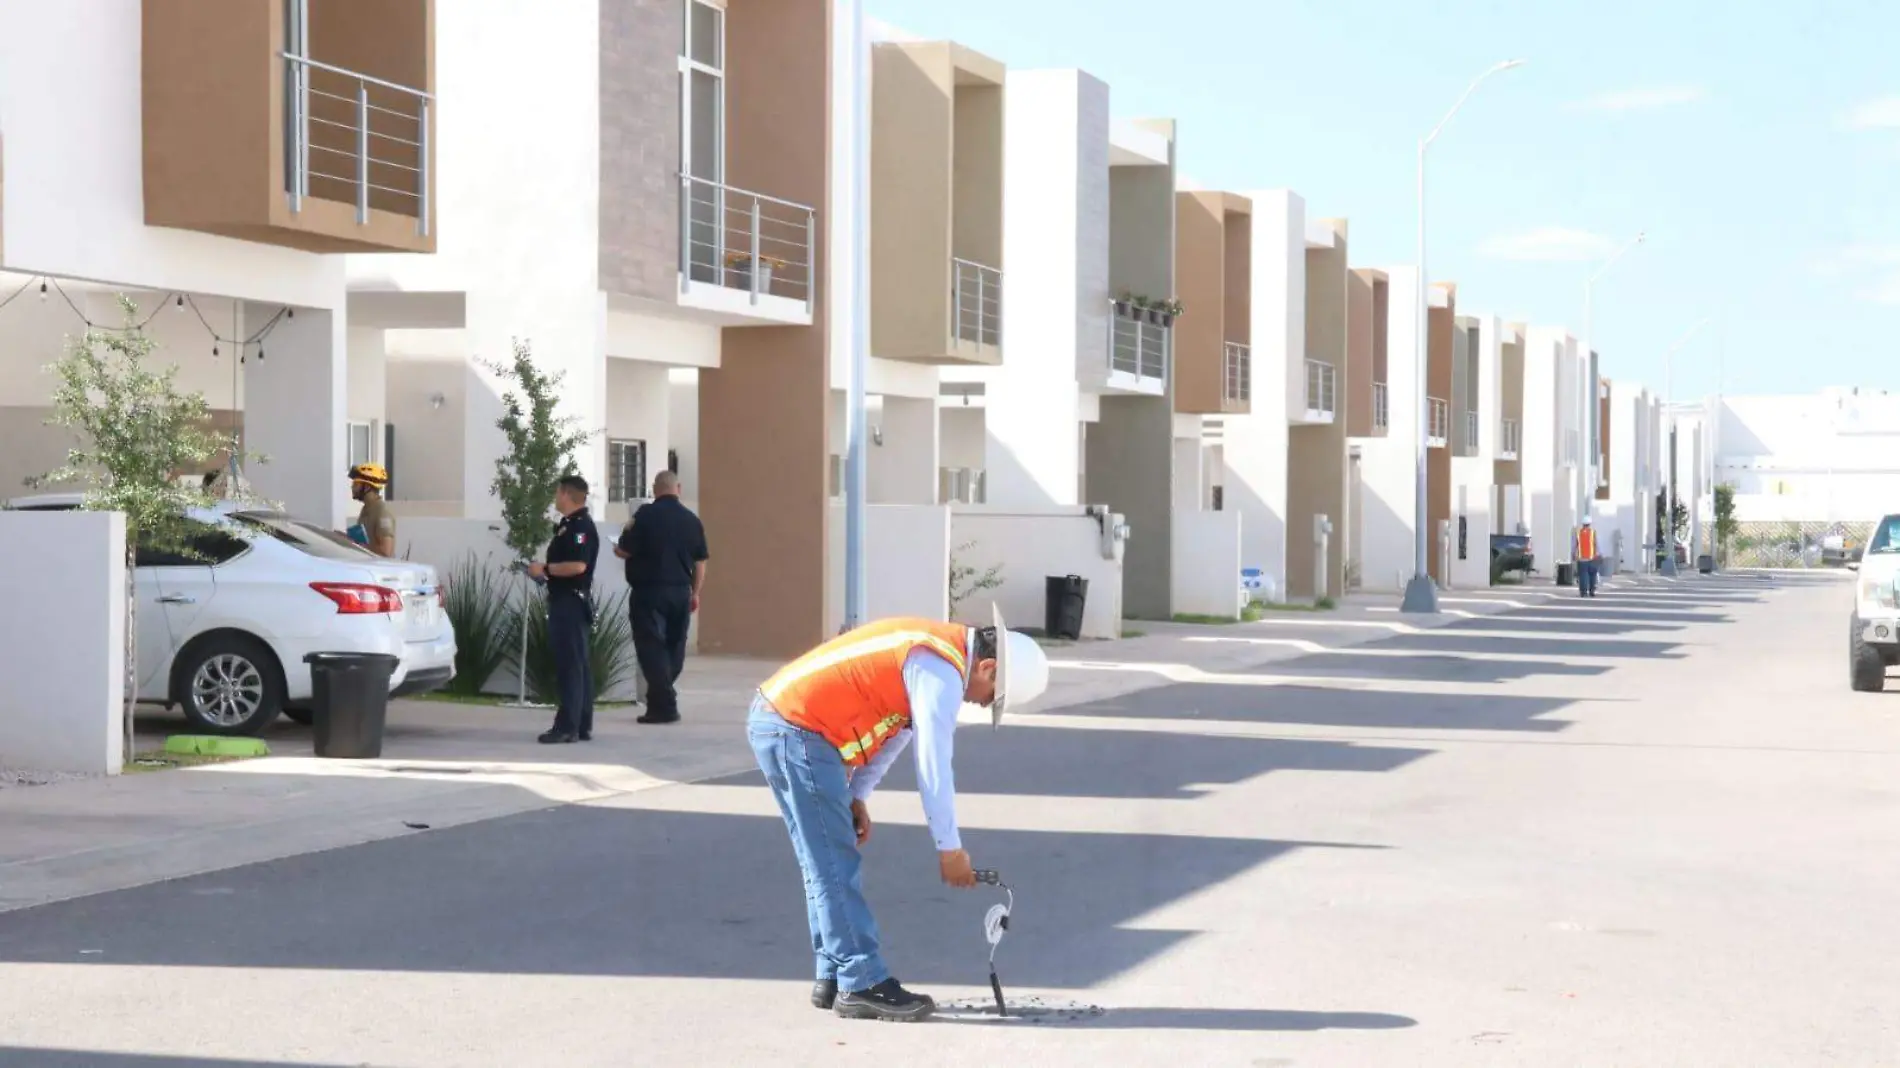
<point x="663" y="543"/>
<point x="575" y="540"/>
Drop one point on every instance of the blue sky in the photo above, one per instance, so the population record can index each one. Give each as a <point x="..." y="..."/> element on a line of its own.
<point x="1757" y="143"/>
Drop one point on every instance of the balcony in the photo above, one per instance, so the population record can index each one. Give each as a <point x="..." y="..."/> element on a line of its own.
<point x="1510" y="439"/>
<point x="936" y="203"/>
<point x="306" y="123"/>
<point x="745" y="253"/>
<point x="1236" y="377"/>
<point x="1138" y="349"/>
<point x="1322" y="391"/>
<point x="976" y="306"/>
<point x="1381" y="407"/>
<point x="1439" y="430"/>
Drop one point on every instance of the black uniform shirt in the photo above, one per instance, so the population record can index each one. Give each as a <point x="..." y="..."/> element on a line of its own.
<point x="663" y="544"/>
<point x="575" y="541"/>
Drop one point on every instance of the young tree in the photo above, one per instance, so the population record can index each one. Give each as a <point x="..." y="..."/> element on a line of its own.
<point x="1725" y="524"/>
<point x="137" y="433"/>
<point x="541" y="446"/>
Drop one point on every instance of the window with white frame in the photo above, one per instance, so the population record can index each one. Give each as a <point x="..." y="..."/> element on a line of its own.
<point x="626" y="470"/>
<point x="362" y="442"/>
<point x="702" y="67"/>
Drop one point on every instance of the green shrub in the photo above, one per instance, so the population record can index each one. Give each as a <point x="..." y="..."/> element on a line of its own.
<point x="609" y="648"/>
<point x="483" y="608"/>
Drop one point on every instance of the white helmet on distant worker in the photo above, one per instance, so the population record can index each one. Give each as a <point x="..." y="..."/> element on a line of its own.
<point x="1022" y="668"/>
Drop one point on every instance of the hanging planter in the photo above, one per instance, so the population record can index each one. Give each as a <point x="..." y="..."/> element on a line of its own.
<point x="1166" y="311"/>
<point x="740" y="271"/>
<point x="1126" y="310"/>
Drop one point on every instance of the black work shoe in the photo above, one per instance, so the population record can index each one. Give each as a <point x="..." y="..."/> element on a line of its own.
<point x="823" y="993"/>
<point x="555" y="738"/>
<point x="885" y="1001"/>
<point x="585" y="736"/>
<point x="651" y="718"/>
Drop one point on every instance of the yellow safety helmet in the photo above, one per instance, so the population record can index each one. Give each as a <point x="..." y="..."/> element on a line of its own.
<point x="371" y="475"/>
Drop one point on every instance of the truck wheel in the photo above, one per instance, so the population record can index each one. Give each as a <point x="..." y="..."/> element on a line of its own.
<point x="1866" y="671"/>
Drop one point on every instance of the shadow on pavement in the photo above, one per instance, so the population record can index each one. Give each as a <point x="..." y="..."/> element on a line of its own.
<point x="1515" y="624"/>
<point x="631" y="892"/>
<point x="25" y="1057"/>
<point x="1322" y="707"/>
<point x="1449" y="641"/>
<point x="1592" y="612"/>
<point x="1426" y="667"/>
<point x="1211" y="1020"/>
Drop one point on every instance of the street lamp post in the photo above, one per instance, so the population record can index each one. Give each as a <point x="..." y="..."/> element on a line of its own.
<point x="858" y="366"/>
<point x="1420" y="594"/>
<point x="1669" y="447"/>
<point x="1587" y="391"/>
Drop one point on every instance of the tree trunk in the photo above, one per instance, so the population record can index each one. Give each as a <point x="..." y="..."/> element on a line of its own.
<point x="131" y="646"/>
<point x="521" y="666"/>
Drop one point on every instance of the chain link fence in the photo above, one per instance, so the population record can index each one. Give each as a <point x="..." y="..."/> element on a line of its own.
<point x="1797" y="544"/>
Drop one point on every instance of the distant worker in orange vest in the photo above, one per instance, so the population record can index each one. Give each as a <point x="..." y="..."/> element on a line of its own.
<point x="828" y="726"/>
<point x="1587" y="560"/>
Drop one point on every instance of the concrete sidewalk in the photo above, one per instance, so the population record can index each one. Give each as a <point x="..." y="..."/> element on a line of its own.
<point x="449" y="764"/>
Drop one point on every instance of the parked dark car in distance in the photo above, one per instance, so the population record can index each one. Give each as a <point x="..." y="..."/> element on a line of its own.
<point x="1511" y="552"/>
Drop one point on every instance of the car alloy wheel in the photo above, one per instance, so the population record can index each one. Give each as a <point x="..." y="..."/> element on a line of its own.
<point x="228" y="690"/>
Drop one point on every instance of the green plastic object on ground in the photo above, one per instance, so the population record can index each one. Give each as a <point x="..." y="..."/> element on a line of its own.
<point x="212" y="745"/>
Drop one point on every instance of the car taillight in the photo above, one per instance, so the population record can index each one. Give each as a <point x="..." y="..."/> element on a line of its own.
<point x="357" y="600"/>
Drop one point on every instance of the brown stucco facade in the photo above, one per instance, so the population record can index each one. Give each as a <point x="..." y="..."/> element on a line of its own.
<point x="762" y="442"/>
<point x="1318" y="453"/>
<point x="1213" y="279"/>
<point x="214" y="109"/>
<point x="640" y="165"/>
<point x="1439" y="328"/>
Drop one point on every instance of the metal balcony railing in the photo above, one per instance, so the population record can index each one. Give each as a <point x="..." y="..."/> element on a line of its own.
<point x="1471" y="431"/>
<point x="1322" y="392"/>
<point x="747" y="241"/>
<point x="1139" y="347"/>
<point x="1381" y="406"/>
<point x="355" y="139"/>
<point x="1440" y="425"/>
<point x="976" y="303"/>
<point x="1510" y="436"/>
<point x="1237" y="373"/>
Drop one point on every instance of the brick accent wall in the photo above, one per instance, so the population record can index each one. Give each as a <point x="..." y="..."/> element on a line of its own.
<point x="640" y="147"/>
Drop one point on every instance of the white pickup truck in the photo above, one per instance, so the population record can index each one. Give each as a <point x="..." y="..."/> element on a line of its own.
<point x="1873" y="641"/>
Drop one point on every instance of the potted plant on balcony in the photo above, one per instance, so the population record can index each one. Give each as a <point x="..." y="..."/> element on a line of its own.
<point x="740" y="266"/>
<point x="1130" y="305"/>
<point x="1165" y="312"/>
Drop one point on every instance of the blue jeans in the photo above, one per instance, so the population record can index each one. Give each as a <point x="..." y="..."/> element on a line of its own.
<point x="1587" y="578"/>
<point x="812" y="786"/>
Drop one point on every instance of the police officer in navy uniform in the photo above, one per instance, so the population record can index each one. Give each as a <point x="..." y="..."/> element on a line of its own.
<point x="569" y="572"/>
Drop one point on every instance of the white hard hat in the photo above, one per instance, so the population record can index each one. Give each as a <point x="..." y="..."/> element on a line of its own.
<point x="1022" y="668"/>
<point x="1586" y="520"/>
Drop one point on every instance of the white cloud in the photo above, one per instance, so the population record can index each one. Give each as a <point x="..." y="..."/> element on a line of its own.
<point x="1879" y="114"/>
<point x="1551" y="244"/>
<point x="1645" y="99"/>
<point x="1877" y="266"/>
<point x="1885" y="291"/>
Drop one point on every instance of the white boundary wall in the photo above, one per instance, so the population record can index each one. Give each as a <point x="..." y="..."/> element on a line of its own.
<point x="1207" y="563"/>
<point x="1031" y="546"/>
<point x="62" y="675"/>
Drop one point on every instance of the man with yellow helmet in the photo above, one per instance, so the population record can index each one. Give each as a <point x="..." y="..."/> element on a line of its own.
<point x="375" y="528"/>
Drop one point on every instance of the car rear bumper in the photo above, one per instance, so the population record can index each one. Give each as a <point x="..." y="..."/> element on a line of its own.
<point x="431" y="662"/>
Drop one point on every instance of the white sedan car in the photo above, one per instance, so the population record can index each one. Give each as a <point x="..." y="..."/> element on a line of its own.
<point x="223" y="632"/>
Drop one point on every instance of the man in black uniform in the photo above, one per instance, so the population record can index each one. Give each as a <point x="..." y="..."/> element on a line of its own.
<point x="569" y="572"/>
<point x="665" y="549"/>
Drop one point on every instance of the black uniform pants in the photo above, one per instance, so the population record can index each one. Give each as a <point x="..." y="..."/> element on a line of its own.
<point x="661" y="616"/>
<point x="570" y="619"/>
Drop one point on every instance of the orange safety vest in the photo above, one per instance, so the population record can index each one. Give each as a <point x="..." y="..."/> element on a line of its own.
<point x="850" y="690"/>
<point x="1587" y="543"/>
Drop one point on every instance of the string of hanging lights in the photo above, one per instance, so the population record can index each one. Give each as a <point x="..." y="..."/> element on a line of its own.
<point x="179" y="301"/>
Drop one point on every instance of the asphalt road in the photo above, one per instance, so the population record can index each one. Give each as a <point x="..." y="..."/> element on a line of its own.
<point x="1651" y="829"/>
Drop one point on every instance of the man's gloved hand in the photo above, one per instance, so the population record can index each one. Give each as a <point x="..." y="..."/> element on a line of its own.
<point x="861" y="821"/>
<point x="954" y="866"/>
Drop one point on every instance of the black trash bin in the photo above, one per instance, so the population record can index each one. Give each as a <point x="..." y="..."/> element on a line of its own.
<point x="351" y="701"/>
<point x="1062" y="610"/>
<point x="1705" y="564"/>
<point x="1566" y="574"/>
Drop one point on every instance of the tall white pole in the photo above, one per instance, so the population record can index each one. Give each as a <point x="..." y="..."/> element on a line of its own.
<point x="1669" y="448"/>
<point x="856" y="428"/>
<point x="1420" y="594"/>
